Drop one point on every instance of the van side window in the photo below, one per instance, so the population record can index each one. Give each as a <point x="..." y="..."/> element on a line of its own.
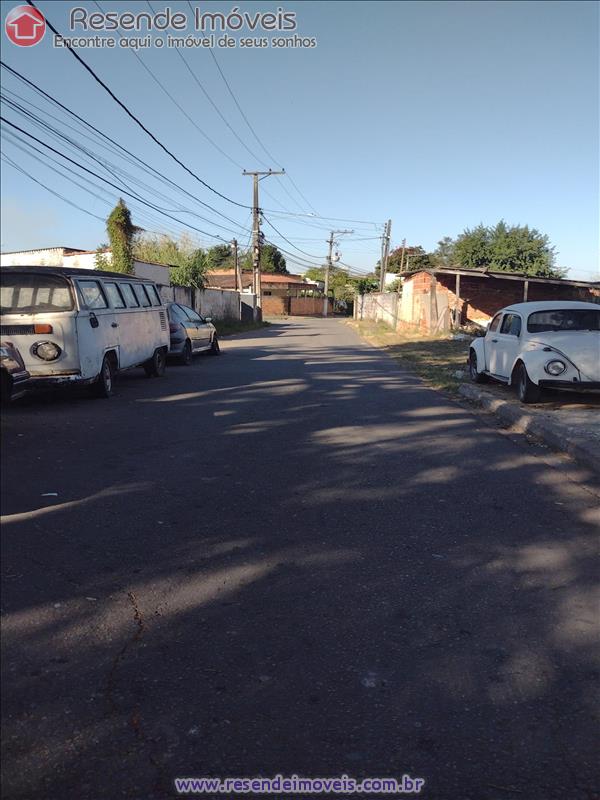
<point x="92" y="294"/>
<point x="114" y="295"/>
<point x="154" y="295"/>
<point x="141" y="294"/>
<point x="129" y="295"/>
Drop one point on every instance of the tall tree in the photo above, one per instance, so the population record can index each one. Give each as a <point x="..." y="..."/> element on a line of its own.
<point x="188" y="263"/>
<point x="121" y="232"/>
<point x="443" y="255"/>
<point x="220" y="257"/>
<point x="507" y="248"/>
<point x="271" y="260"/>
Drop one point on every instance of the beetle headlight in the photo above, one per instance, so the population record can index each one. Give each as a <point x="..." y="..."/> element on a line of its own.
<point x="555" y="367"/>
<point x="48" y="351"/>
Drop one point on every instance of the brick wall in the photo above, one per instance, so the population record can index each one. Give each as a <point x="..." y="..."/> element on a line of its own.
<point x="481" y="297"/>
<point x="308" y="306"/>
<point x="274" y="305"/>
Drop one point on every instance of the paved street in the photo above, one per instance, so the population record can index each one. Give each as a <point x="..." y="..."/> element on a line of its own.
<point x="294" y="558"/>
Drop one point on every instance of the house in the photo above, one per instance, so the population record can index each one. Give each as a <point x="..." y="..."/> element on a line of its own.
<point x="272" y="284"/>
<point x="439" y="299"/>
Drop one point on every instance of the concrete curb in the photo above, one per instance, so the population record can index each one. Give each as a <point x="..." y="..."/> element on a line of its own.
<point x="555" y="434"/>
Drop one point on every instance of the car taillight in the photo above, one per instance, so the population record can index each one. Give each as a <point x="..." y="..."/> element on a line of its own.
<point x="42" y="328"/>
<point x="173" y="327"/>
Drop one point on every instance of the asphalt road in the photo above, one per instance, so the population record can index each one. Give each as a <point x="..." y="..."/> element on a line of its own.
<point x="294" y="558"/>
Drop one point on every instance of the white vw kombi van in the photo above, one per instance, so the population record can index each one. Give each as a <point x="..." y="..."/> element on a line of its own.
<point x="83" y="326"/>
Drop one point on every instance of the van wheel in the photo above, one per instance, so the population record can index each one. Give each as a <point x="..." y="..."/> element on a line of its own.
<point x="215" y="349"/>
<point x="527" y="391"/>
<point x="186" y="355"/>
<point x="105" y="383"/>
<point x="155" y="367"/>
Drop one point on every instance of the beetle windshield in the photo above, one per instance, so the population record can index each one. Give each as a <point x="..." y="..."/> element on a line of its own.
<point x="32" y="293"/>
<point x="571" y="319"/>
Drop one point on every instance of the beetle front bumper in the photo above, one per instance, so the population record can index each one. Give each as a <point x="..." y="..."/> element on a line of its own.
<point x="574" y="386"/>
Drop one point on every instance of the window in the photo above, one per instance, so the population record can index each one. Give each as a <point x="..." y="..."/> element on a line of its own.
<point x="114" y="295"/>
<point x="129" y="295"/>
<point x="494" y="323"/>
<point x="28" y="293"/>
<point x="511" y="325"/>
<point x="191" y="314"/>
<point x="568" y="319"/>
<point x="177" y="314"/>
<point x="154" y="295"/>
<point x="92" y="294"/>
<point x="141" y="294"/>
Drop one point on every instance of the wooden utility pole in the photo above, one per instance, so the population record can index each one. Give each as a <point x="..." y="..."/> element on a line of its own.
<point x="256" y="239"/>
<point x="385" y="252"/>
<point x="328" y="265"/>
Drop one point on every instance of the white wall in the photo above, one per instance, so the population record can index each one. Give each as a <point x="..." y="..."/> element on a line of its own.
<point x="46" y="257"/>
<point x="83" y="260"/>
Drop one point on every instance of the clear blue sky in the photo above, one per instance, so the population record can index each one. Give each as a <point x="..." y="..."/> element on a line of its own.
<point x="438" y="115"/>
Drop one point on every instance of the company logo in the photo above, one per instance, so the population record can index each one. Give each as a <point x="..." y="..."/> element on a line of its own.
<point x="25" y="26"/>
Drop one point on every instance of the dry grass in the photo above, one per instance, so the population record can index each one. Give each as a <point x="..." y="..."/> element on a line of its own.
<point x="435" y="359"/>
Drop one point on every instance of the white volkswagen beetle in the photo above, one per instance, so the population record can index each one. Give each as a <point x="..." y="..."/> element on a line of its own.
<point x="551" y="344"/>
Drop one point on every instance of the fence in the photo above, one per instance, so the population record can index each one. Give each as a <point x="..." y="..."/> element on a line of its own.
<point x="216" y="303"/>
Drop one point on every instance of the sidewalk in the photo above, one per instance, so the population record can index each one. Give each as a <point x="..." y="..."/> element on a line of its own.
<point x="571" y="427"/>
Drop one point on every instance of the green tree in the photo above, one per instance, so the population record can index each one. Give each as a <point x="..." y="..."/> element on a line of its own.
<point x="100" y="259"/>
<point x="341" y="286"/>
<point x="272" y="260"/>
<point x="192" y="272"/>
<point x="443" y="255"/>
<point x="414" y="257"/>
<point x="121" y="232"/>
<point x="188" y="263"/>
<point x="220" y="257"/>
<point x="507" y="248"/>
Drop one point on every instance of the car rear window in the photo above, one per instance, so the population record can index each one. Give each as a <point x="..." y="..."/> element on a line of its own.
<point x="29" y="293"/>
<point x="566" y="319"/>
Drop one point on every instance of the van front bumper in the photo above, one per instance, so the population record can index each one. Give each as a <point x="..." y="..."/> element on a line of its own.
<point x="58" y="379"/>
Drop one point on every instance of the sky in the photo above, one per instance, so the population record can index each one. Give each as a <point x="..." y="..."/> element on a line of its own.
<point x="436" y="115"/>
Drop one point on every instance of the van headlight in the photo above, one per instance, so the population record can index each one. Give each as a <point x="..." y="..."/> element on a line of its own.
<point x="48" y="351"/>
<point x="555" y="367"/>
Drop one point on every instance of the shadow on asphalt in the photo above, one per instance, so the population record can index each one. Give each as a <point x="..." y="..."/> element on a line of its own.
<point x="290" y="560"/>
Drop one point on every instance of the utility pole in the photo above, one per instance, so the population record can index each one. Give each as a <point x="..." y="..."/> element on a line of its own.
<point x="238" y="275"/>
<point x="256" y="238"/>
<point x="402" y="255"/>
<point x="384" y="255"/>
<point x="328" y="265"/>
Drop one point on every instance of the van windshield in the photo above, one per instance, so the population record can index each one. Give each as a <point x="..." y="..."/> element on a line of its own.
<point x="34" y="294"/>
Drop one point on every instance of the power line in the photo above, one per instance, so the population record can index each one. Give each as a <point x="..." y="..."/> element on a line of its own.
<point x="136" y="119"/>
<point x="95" y="174"/>
<point x="144" y="165"/>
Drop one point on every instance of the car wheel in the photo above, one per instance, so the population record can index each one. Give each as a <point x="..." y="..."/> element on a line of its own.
<point x="527" y="391"/>
<point x="476" y="377"/>
<point x="186" y="355"/>
<point x="106" y="378"/>
<point x="215" y="349"/>
<point x="155" y="367"/>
